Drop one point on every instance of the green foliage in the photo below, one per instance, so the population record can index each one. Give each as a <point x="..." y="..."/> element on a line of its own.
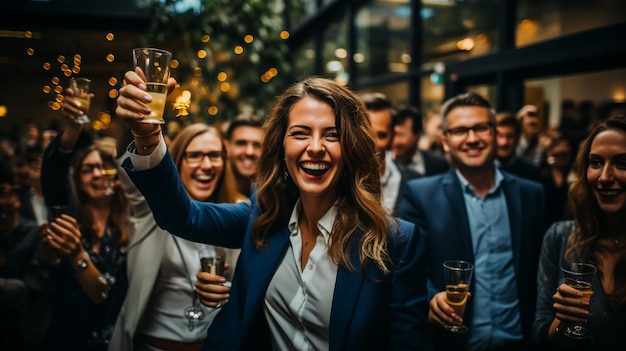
<point x="226" y="22"/>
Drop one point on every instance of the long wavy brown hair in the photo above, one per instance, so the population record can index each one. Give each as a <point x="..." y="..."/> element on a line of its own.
<point x="590" y="218"/>
<point x="118" y="215"/>
<point x="226" y="189"/>
<point x="362" y="220"/>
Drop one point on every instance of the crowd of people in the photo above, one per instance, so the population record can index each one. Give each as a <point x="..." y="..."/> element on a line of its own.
<point x="336" y="213"/>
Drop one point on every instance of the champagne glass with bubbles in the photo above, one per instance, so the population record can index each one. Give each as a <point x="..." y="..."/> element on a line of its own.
<point x="458" y="275"/>
<point x="579" y="276"/>
<point x="109" y="180"/>
<point x="82" y="97"/>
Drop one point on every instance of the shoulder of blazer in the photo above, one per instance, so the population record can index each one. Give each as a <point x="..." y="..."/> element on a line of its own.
<point x="526" y="185"/>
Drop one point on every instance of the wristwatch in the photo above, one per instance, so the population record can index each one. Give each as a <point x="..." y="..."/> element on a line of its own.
<point x="82" y="264"/>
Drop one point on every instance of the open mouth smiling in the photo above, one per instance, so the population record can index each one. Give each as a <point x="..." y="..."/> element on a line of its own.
<point x="610" y="193"/>
<point x="315" y="168"/>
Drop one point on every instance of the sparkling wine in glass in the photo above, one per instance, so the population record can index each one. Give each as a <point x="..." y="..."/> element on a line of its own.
<point x="109" y="180"/>
<point x="82" y="97"/>
<point x="154" y="65"/>
<point x="458" y="275"/>
<point x="580" y="276"/>
<point x="212" y="260"/>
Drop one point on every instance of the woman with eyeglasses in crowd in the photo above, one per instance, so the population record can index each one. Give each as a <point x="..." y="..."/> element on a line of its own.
<point x="163" y="269"/>
<point x="88" y="235"/>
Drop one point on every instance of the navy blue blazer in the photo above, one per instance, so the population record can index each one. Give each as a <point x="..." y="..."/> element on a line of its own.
<point x="390" y="314"/>
<point x="437" y="206"/>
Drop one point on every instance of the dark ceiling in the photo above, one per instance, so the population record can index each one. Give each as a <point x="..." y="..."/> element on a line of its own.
<point x="34" y="34"/>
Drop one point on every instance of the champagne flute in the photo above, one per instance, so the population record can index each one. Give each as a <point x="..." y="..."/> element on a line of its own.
<point x="579" y="276"/>
<point x="155" y="66"/>
<point x="109" y="180"/>
<point x="82" y="97"/>
<point x="212" y="260"/>
<point x="458" y="275"/>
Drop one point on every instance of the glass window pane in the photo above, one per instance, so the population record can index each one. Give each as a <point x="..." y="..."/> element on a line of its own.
<point x="540" y="20"/>
<point x="488" y="91"/>
<point x="307" y="8"/>
<point x="335" y="54"/>
<point x="459" y="30"/>
<point x="382" y="31"/>
<point x="303" y="60"/>
<point x="397" y="92"/>
<point x="433" y="93"/>
<point x="604" y="93"/>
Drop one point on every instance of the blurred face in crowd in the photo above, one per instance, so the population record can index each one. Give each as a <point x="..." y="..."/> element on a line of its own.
<point x="21" y="172"/>
<point x="606" y="172"/>
<point x="381" y="123"/>
<point x="531" y="125"/>
<point x="560" y="154"/>
<point x="244" y="150"/>
<point x="404" y="143"/>
<point x="91" y="176"/>
<point x="506" y="142"/>
<point x="9" y="207"/>
<point x="202" y="166"/>
<point x="470" y="139"/>
<point x="432" y="127"/>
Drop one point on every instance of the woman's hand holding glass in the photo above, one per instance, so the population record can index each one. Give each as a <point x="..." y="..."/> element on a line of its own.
<point x="71" y="108"/>
<point x="569" y="305"/>
<point x="63" y="235"/>
<point x="213" y="290"/>
<point x="129" y="107"/>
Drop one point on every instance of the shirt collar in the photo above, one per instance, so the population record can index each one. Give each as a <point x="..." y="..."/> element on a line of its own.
<point x="468" y="188"/>
<point x="325" y="224"/>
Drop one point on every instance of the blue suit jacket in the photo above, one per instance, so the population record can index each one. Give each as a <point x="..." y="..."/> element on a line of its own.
<point x="437" y="206"/>
<point x="366" y="315"/>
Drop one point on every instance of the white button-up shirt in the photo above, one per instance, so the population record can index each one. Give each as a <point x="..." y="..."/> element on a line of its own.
<point x="298" y="300"/>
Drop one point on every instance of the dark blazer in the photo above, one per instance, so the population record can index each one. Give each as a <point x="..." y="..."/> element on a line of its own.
<point x="436" y="205"/>
<point x="406" y="174"/>
<point x="524" y="169"/>
<point x="366" y="315"/>
<point x="434" y="164"/>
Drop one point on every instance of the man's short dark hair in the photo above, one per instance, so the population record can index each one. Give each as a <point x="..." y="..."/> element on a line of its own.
<point x="465" y="99"/>
<point x="242" y="121"/>
<point x="376" y="101"/>
<point x="508" y="119"/>
<point x="406" y="111"/>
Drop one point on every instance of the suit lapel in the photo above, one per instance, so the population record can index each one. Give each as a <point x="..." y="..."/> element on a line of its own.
<point x="347" y="289"/>
<point x="452" y="189"/>
<point x="265" y="263"/>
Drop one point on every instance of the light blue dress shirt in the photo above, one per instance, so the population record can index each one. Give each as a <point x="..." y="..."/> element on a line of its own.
<point x="496" y="319"/>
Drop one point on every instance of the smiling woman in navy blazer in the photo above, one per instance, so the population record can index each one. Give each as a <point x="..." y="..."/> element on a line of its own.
<point x="323" y="265"/>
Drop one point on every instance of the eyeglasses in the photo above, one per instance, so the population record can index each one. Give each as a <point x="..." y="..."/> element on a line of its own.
<point x="481" y="129"/>
<point x="195" y="158"/>
<point x="88" y="168"/>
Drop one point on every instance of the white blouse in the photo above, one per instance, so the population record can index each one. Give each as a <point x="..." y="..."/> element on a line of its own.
<point x="298" y="301"/>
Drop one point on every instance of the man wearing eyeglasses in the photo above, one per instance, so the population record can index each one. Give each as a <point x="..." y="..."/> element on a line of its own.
<point x="491" y="219"/>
